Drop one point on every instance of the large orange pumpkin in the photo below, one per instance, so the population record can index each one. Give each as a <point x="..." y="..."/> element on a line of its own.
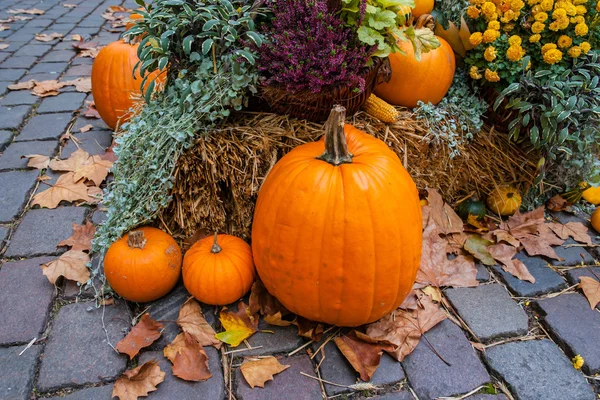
<point x="336" y="235"/>
<point x="427" y="80"/>
<point x="218" y="271"/>
<point x="114" y="87"/>
<point x="422" y="7"/>
<point x="143" y="265"/>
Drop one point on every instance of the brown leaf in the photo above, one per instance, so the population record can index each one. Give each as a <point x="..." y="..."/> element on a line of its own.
<point x="257" y="372"/>
<point x="82" y="237"/>
<point x="238" y="325"/>
<point x="75" y="161"/>
<point x="434" y="292"/>
<point x="309" y="329"/>
<point x="192" y="321"/>
<point x="576" y="230"/>
<point x="95" y="195"/>
<point x="277" y="320"/>
<point x="261" y="301"/>
<point x="83" y="45"/>
<point x="22" y="85"/>
<point x="191" y="362"/>
<point x="91" y="53"/>
<point x="187" y="242"/>
<point x="504" y="253"/>
<point x="455" y="243"/>
<point x="477" y="246"/>
<point x="4" y="46"/>
<point x="83" y="85"/>
<point x="535" y="246"/>
<point x="591" y="290"/>
<point x="504" y="236"/>
<point x="138" y="382"/>
<point x="47" y="88"/>
<point x="548" y="236"/>
<point x="520" y="225"/>
<point x="67" y="5"/>
<point x="146" y="332"/>
<point x="33" y="11"/>
<point x="65" y="189"/>
<point x="364" y="356"/>
<point x="37" y="161"/>
<point x="86" y="128"/>
<point x="71" y="265"/>
<point x="91" y="111"/>
<point x="111" y="156"/>
<point x="404" y="328"/>
<point x="175" y="347"/>
<point x="115" y="9"/>
<point x="410" y="302"/>
<point x="443" y="215"/>
<point x="44" y="37"/>
<point x="95" y="169"/>
<point x="557" y="203"/>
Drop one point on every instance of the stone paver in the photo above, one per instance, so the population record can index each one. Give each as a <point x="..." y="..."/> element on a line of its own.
<point x="77" y="351"/>
<point x="58" y="56"/>
<point x="5" y="139"/>
<point x="537" y="369"/>
<point x="489" y="311"/>
<point x="335" y="368"/>
<point x="19" y="62"/>
<point x="99" y="217"/>
<point x="3" y="235"/>
<point x="12" y="117"/>
<point x="431" y="378"/>
<point x="402" y="395"/>
<point x="46" y="228"/>
<point x="575" y="325"/>
<point x="45" y="126"/>
<point x="175" y="388"/>
<point x="96" y="123"/>
<point x="546" y="279"/>
<point x="572" y="255"/>
<point x="94" y="393"/>
<point x="283" y="340"/>
<point x="12" y="201"/>
<point x="16" y="372"/>
<point x="285" y="384"/>
<point x="94" y="142"/>
<point x="49" y="68"/>
<point x="483" y="275"/>
<point x="19" y="97"/>
<point x="61" y="103"/>
<point x="573" y="275"/>
<point x="25" y="299"/>
<point x="12" y="75"/>
<point x="11" y="157"/>
<point x="36" y="51"/>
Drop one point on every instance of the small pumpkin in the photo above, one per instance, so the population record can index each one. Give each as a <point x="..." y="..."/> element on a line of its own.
<point x="218" y="270"/>
<point x="574" y="195"/>
<point x="114" y="87"/>
<point x="143" y="265"/>
<point x="337" y="228"/>
<point x="504" y="200"/>
<point x="422" y="7"/>
<point x="472" y="206"/>
<point x="592" y="195"/>
<point x="132" y="19"/>
<point x="596" y="220"/>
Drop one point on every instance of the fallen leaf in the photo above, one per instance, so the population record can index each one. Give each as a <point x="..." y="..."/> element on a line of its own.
<point x="4" y="28"/>
<point x="4" y="46"/>
<point x="110" y="155"/>
<point x="434" y="292"/>
<point x="191" y="362"/>
<point x="76" y="37"/>
<point x="257" y="372"/>
<point x="277" y="320"/>
<point x="410" y="302"/>
<point x="71" y="265"/>
<point x="504" y="236"/>
<point x="455" y="243"/>
<point x="75" y="161"/>
<point x="548" y="236"/>
<point x="115" y="9"/>
<point x="591" y="290"/>
<point x="33" y="11"/>
<point x="138" y="382"/>
<point x="91" y="53"/>
<point x="95" y="195"/>
<point x="143" y="334"/>
<point x="477" y="246"/>
<point x="44" y="37"/>
<point x="66" y="5"/>
<point x="576" y="230"/>
<point x="83" y="85"/>
<point x="557" y="203"/>
<point x="443" y="215"/>
<point x="535" y="246"/>
<point x="22" y="85"/>
<point x="86" y="128"/>
<point x="81" y="238"/>
<point x="95" y="169"/>
<point x="83" y="45"/>
<point x="404" y="328"/>
<point x="364" y="356"/>
<point x="47" y="88"/>
<point x="192" y="321"/>
<point x="91" y="111"/>
<point x="43" y="178"/>
<point x="261" y="301"/>
<point x="309" y="329"/>
<point x="175" y="347"/>
<point x="37" y="161"/>
<point x="504" y="253"/>
<point x="65" y="189"/>
<point x="520" y="225"/>
<point x="238" y="326"/>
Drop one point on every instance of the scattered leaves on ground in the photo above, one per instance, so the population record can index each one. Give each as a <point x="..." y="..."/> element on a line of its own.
<point x="76" y="160"/>
<point x="86" y="128"/>
<point x="477" y="246"/>
<point x="83" y="85"/>
<point x="44" y="37"/>
<point x="47" y="88"/>
<point x="32" y="11"/>
<point x="91" y="111"/>
<point x="4" y="46"/>
<point x="65" y="189"/>
<point x="71" y="265"/>
<point x="442" y="214"/>
<point x="146" y="332"/>
<point x="82" y="237"/>
<point x="576" y="230"/>
<point x="192" y="321"/>
<point x="504" y="253"/>
<point x="37" y="161"/>
<point x="22" y="85"/>
<point x="591" y="290"/>
<point x="67" y="5"/>
<point x="257" y="372"/>
<point x="95" y="169"/>
<point x="238" y="326"/>
<point x="138" y="382"/>
<point x="191" y="362"/>
<point x="363" y="353"/>
<point x="310" y="329"/>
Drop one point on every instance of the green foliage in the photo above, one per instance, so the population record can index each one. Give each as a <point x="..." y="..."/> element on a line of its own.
<point x="447" y="11"/>
<point x="457" y="118"/>
<point x="561" y="114"/>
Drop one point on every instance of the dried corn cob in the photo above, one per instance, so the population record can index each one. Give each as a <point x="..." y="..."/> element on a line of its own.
<point x="378" y="108"/>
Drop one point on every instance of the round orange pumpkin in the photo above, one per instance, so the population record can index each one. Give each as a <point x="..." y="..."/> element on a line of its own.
<point x="143" y="265"/>
<point x="114" y="87"/>
<point x="427" y="80"/>
<point x="422" y="7"/>
<point x="132" y="18"/>
<point x="218" y="271"/>
<point x="592" y="195"/>
<point x="504" y="200"/>
<point x="596" y="220"/>
<point x="336" y="235"/>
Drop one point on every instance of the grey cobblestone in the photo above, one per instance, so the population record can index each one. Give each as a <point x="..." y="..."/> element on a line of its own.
<point x="45" y="126"/>
<point x="12" y="117"/>
<point x="17" y="372"/>
<point x="11" y="157"/>
<point x="13" y="200"/>
<point x="19" y="98"/>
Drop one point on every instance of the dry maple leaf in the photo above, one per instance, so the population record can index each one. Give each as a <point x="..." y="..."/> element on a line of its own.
<point x="44" y="37"/>
<point x="91" y="53"/>
<point x="91" y="111"/>
<point x="23" y="85"/>
<point x="175" y="347"/>
<point x="95" y="195"/>
<point x="478" y="247"/>
<point x="404" y="328"/>
<point x="503" y="236"/>
<point x="67" y="5"/>
<point x="65" y="189"/>
<point x="239" y="325"/>
<point x="138" y="382"/>
<point x="110" y="155"/>
<point x="47" y="88"/>
<point x="591" y="290"/>
<point x="442" y="214"/>
<point x="83" y="85"/>
<point x="261" y="301"/>
<point x="116" y="9"/>
<point x="576" y="230"/>
<point x="536" y="246"/>
<point x="309" y="329"/>
<point x="86" y="128"/>
<point x="33" y="11"/>
<point x="77" y="159"/>
<point x="557" y="203"/>
<point x="4" y="46"/>
<point x="83" y="45"/>
<point x="362" y="352"/>
<point x="82" y="237"/>
<point x="257" y="372"/>
<point x="504" y="253"/>
<point x="455" y="243"/>
<point x="146" y="332"/>
<point x="434" y="292"/>
<point x="37" y="161"/>
<point x="192" y="321"/>
<point x="95" y="169"/>
<point x="520" y="225"/>
<point x="191" y="362"/>
<point x="277" y="320"/>
<point x="71" y="265"/>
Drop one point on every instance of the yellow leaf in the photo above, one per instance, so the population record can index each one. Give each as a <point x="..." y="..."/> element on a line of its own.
<point x="238" y="326"/>
<point x="434" y="292"/>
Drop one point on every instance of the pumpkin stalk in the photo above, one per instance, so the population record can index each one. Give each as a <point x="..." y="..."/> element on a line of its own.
<point x="215" y="247"/>
<point x="136" y="240"/>
<point x="336" y="149"/>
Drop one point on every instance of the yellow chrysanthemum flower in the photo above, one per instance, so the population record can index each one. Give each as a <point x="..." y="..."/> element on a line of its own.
<point x="585" y="47"/>
<point x="563" y="23"/>
<point x="564" y="41"/>
<point x="578" y="361"/>
<point x="581" y="10"/>
<point x="554" y="26"/>
<point x="553" y="56"/>
<point x="516" y="5"/>
<point x="541" y="16"/>
<point x="575" y="51"/>
<point x="580" y="19"/>
<point x="473" y="12"/>
<point x="532" y="3"/>
<point x="477" y="2"/>
<point x="536" y="9"/>
<point x="491" y="76"/>
<point x="535" y="38"/>
<point x="515" y="40"/>
<point x="493" y="17"/>
<point x="581" y="29"/>
<point x="559" y="13"/>
<point x="537" y="27"/>
<point x="488" y="8"/>
<point x="494" y="25"/>
<point x="571" y="10"/>
<point x="577" y="2"/>
<point x="515" y="53"/>
<point x="476" y="38"/>
<point x="547" y="47"/>
<point x="546" y="5"/>
<point x="508" y="27"/>
<point x="490" y="36"/>
<point x="474" y="72"/>
<point x="490" y="54"/>
<point x="509" y="15"/>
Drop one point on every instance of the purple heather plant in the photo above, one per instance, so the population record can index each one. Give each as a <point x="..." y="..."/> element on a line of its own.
<point x="309" y="48"/>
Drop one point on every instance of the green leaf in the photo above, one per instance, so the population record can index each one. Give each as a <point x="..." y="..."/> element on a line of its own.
<point x="210" y="24"/>
<point x="187" y="44"/>
<point x="149" y="91"/>
<point x="382" y="20"/>
<point x="247" y="55"/>
<point x="369" y="36"/>
<point x="255" y="37"/>
<point x="162" y="63"/>
<point x="206" y="46"/>
<point x="477" y="246"/>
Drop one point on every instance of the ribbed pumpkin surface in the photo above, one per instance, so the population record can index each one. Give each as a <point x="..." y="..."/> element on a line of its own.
<point x="338" y="244"/>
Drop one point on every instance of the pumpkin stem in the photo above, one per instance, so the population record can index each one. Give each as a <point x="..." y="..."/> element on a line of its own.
<point x="215" y="247"/>
<point x="336" y="149"/>
<point x="136" y="240"/>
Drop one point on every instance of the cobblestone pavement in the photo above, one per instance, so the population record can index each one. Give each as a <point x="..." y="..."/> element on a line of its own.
<point x="70" y="358"/>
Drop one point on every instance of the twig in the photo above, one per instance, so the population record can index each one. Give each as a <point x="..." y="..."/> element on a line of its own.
<point x="28" y="346"/>
<point x="594" y="378"/>
<point x="356" y="386"/>
<point x="240" y="350"/>
<point x="517" y="339"/>
<point x="566" y="246"/>
<point x="435" y="351"/>
<point x="464" y="396"/>
<point x="324" y="343"/>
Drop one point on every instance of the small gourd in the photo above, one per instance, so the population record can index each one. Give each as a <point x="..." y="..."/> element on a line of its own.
<point x="504" y="200"/>
<point x="592" y="195"/>
<point x="596" y="220"/>
<point x="471" y="206"/>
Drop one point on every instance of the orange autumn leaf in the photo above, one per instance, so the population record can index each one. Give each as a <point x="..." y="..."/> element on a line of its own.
<point x="576" y="230"/>
<point x="95" y="169"/>
<point x="82" y="237"/>
<point x="192" y="321"/>
<point x="77" y="159"/>
<point x="309" y="329"/>
<point x="191" y="361"/>
<point x="442" y="214"/>
<point x="238" y="326"/>
<point x="261" y="301"/>
<point x="362" y="352"/>
<point x="591" y="290"/>
<point x="138" y="382"/>
<point x="557" y="203"/>
<point x="257" y="372"/>
<point x="277" y="320"/>
<point x="504" y="253"/>
<point x="175" y="347"/>
<point x="71" y="265"/>
<point x="146" y="332"/>
<point x="37" y="161"/>
<point x="65" y="189"/>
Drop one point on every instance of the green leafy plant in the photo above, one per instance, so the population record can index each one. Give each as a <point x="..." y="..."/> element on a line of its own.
<point x="447" y="11"/>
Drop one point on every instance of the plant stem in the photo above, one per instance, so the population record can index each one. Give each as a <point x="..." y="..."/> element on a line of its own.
<point x="336" y="149"/>
<point x="136" y="240"/>
<point x="215" y="247"/>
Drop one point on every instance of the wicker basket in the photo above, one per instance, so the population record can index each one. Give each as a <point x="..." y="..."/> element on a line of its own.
<point x="317" y="106"/>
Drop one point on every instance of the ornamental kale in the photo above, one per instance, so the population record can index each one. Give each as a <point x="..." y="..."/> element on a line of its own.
<point x="309" y="48"/>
